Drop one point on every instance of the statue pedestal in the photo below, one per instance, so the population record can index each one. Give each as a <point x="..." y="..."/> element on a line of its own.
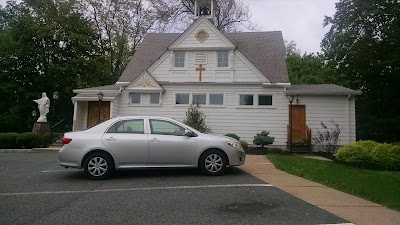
<point x="41" y="128"/>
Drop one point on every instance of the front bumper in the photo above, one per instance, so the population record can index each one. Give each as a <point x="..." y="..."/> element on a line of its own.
<point x="237" y="159"/>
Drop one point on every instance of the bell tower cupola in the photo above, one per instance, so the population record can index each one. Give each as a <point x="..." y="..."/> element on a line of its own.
<point x="204" y="8"/>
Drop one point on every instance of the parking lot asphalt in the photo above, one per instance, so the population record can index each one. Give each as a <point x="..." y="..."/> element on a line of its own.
<point x="35" y="190"/>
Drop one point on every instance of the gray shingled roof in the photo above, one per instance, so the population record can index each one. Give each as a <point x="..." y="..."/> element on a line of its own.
<point x="264" y="49"/>
<point x="111" y="87"/>
<point x="94" y="95"/>
<point x="318" y="89"/>
<point x="153" y="46"/>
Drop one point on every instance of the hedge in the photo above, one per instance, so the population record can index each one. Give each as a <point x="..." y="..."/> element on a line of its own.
<point x="28" y="140"/>
<point x="8" y="140"/>
<point x="370" y="154"/>
<point x="24" y="140"/>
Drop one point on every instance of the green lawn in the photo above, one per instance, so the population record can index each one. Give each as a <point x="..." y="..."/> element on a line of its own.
<point x="382" y="187"/>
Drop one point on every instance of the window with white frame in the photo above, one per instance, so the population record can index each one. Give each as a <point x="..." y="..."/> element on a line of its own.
<point x="264" y="99"/>
<point x="154" y="98"/>
<point x="246" y="99"/>
<point x="216" y="99"/>
<point x="135" y="98"/>
<point x="223" y="58"/>
<point x="199" y="99"/>
<point x="179" y="59"/>
<point x="182" y="98"/>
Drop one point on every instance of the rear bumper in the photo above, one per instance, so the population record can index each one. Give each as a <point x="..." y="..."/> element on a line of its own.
<point x="69" y="158"/>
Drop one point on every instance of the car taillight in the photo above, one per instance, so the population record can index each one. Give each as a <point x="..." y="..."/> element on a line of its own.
<point x="66" y="141"/>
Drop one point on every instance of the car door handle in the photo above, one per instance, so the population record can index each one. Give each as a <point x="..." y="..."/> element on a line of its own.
<point x="155" y="140"/>
<point x="111" y="139"/>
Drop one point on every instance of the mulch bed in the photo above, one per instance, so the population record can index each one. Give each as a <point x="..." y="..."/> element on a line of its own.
<point x="256" y="151"/>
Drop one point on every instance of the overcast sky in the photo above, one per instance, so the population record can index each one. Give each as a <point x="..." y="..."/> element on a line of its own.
<point x="299" y="20"/>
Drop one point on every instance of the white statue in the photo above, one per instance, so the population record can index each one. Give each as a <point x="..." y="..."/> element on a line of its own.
<point x="43" y="105"/>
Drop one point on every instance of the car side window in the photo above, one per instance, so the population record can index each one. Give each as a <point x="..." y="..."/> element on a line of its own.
<point x="166" y="128"/>
<point x="128" y="126"/>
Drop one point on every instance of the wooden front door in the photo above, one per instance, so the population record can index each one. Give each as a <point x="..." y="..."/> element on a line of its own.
<point x="93" y="113"/>
<point x="299" y="131"/>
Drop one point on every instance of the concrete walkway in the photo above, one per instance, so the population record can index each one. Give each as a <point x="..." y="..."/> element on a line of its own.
<point x="351" y="208"/>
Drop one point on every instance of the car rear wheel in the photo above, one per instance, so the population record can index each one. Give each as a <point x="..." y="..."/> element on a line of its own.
<point x="213" y="163"/>
<point x="98" y="166"/>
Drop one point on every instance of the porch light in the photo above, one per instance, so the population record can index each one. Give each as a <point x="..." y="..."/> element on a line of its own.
<point x="290" y="98"/>
<point x="55" y="95"/>
<point x="100" y="96"/>
<point x="33" y="113"/>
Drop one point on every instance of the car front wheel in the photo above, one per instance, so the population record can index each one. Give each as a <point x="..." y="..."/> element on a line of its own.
<point x="213" y="163"/>
<point x="98" y="166"/>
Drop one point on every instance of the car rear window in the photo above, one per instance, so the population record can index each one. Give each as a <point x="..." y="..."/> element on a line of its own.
<point x="127" y="126"/>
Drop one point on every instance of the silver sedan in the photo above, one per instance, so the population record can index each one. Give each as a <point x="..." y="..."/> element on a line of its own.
<point x="147" y="142"/>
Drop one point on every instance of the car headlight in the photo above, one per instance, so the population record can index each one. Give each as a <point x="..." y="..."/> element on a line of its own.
<point x="234" y="144"/>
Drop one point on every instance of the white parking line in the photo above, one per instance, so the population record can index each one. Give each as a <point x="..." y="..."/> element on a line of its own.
<point x="136" y="189"/>
<point x="338" y="224"/>
<point x="65" y="170"/>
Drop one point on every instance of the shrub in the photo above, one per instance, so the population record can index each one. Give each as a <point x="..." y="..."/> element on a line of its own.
<point x="244" y="144"/>
<point x="233" y="136"/>
<point x="263" y="138"/>
<point x="278" y="151"/>
<point x="357" y="153"/>
<point x="8" y="140"/>
<point x="45" y="140"/>
<point x="370" y="154"/>
<point x="196" y="119"/>
<point x="329" y="138"/>
<point x="28" y="140"/>
<point x="386" y="156"/>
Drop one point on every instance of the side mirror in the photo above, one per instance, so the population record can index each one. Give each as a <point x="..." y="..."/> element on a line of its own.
<point x="189" y="133"/>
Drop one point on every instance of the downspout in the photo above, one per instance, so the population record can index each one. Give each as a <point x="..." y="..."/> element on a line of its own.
<point x="349" y="119"/>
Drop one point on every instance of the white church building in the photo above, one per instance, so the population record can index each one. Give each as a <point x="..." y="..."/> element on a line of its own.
<point x="240" y="80"/>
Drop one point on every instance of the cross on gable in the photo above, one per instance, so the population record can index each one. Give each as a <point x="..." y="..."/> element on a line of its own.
<point x="201" y="69"/>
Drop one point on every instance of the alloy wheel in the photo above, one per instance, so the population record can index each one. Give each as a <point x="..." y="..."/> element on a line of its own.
<point x="213" y="163"/>
<point x="97" y="166"/>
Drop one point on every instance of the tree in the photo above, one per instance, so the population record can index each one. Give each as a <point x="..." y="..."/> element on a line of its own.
<point x="121" y="26"/>
<point x="307" y="68"/>
<point x="44" y="46"/>
<point x="263" y="138"/>
<point x="196" y="119"/>
<point x="328" y="139"/>
<point x="230" y="15"/>
<point x="363" y="45"/>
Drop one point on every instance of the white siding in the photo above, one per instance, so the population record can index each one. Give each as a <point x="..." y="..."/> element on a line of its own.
<point x="213" y="39"/>
<point x="238" y="70"/>
<point x="230" y="118"/>
<point x="325" y="108"/>
<point x="243" y="73"/>
<point x="114" y="107"/>
<point x="81" y="116"/>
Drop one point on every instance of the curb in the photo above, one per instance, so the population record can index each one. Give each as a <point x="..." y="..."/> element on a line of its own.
<point x="46" y="149"/>
<point x="29" y="150"/>
<point x="15" y="150"/>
